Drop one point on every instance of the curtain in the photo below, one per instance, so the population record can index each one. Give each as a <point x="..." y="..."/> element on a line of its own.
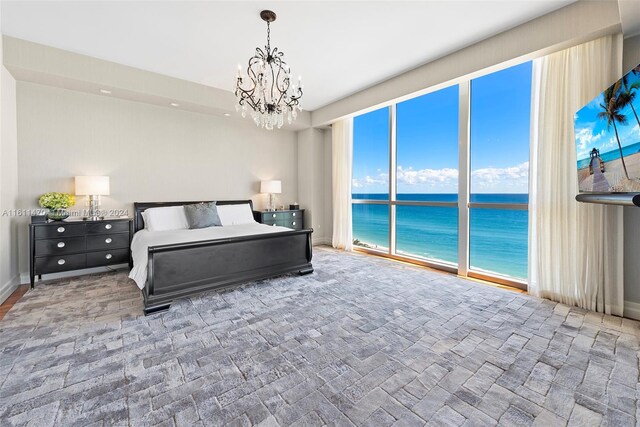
<point x="341" y="164"/>
<point x="575" y="249"/>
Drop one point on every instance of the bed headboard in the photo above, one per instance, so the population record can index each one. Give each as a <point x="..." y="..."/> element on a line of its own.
<point x="139" y="207"/>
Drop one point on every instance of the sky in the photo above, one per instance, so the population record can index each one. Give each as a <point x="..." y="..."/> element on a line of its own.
<point x="592" y="132"/>
<point x="427" y="139"/>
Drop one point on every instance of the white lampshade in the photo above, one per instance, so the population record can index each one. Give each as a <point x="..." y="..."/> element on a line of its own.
<point x="273" y="187"/>
<point x="92" y="185"/>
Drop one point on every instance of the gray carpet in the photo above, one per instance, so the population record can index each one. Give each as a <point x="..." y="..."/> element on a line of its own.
<point x="362" y="341"/>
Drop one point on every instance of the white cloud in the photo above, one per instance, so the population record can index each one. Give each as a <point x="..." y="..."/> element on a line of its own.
<point x="513" y="178"/>
<point x="635" y="132"/>
<point x="426" y="176"/>
<point x="369" y="181"/>
<point x="613" y="142"/>
<point x="508" y="179"/>
<point x="586" y="139"/>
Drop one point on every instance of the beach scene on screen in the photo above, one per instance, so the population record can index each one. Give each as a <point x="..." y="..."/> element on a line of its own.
<point x="607" y="132"/>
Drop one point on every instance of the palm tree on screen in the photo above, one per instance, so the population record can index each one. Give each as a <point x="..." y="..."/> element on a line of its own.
<point x="611" y="113"/>
<point x="628" y="93"/>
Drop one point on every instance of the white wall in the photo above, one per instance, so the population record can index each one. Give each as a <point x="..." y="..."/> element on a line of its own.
<point x="631" y="58"/>
<point x="313" y="192"/>
<point x="328" y="186"/>
<point x="151" y="153"/>
<point x="8" y="185"/>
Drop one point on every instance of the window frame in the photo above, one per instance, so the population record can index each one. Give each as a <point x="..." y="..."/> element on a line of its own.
<point x="464" y="205"/>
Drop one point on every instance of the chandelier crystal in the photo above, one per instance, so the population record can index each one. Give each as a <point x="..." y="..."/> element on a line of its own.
<point x="266" y="90"/>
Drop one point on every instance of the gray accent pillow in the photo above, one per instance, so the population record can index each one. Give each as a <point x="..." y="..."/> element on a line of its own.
<point x="202" y="215"/>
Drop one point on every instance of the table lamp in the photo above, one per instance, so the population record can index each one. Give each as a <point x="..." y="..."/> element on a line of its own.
<point x="272" y="187"/>
<point x="93" y="187"/>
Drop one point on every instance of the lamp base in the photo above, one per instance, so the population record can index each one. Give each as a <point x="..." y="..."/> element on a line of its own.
<point x="94" y="209"/>
<point x="272" y="203"/>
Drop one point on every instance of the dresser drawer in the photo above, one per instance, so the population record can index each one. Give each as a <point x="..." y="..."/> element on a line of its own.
<point x="272" y="216"/>
<point x="272" y="221"/>
<point x="53" y="264"/>
<point x="116" y="256"/>
<point x="64" y="229"/>
<point x="61" y="246"/>
<point x="292" y="215"/>
<point x="107" y="227"/>
<point x="107" y="241"/>
<point x="294" y="223"/>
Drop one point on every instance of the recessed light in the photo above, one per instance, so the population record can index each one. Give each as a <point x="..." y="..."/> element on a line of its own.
<point x="106" y="92"/>
<point x="227" y="114"/>
<point x="174" y="104"/>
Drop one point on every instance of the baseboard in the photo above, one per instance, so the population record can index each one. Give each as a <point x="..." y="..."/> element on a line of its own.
<point x="7" y="289"/>
<point x="321" y="241"/>
<point x="632" y="310"/>
<point x="24" y="277"/>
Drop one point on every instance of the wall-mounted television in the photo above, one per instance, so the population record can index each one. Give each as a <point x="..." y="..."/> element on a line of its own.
<point x="607" y="132"/>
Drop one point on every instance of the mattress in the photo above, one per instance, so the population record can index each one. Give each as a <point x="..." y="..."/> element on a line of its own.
<point x="143" y="239"/>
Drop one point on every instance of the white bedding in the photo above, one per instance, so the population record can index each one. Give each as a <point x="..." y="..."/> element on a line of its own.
<point x="145" y="238"/>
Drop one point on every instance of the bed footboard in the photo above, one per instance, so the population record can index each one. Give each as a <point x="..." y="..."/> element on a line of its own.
<point x="180" y="270"/>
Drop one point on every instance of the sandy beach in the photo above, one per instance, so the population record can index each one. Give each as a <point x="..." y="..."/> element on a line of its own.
<point x="614" y="173"/>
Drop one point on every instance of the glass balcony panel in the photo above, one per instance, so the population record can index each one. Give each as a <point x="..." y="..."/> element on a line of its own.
<point x="427" y="232"/>
<point x="498" y="242"/>
<point x="371" y="226"/>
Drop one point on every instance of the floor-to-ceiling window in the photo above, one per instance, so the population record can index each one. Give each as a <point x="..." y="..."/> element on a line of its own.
<point x="370" y="184"/>
<point x="448" y="188"/>
<point x="427" y="176"/>
<point x="499" y="157"/>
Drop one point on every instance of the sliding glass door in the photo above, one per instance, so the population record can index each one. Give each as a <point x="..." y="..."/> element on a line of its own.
<point x="441" y="179"/>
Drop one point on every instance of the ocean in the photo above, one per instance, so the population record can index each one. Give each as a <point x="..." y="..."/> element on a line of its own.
<point x="498" y="237"/>
<point x="612" y="155"/>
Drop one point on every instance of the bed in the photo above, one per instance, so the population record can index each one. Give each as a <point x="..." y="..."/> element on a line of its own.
<point x="171" y="265"/>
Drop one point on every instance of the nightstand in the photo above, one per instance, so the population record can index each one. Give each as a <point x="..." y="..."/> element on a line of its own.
<point x="291" y="219"/>
<point x="59" y="246"/>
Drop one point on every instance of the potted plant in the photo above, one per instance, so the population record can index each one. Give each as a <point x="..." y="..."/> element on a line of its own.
<point x="57" y="203"/>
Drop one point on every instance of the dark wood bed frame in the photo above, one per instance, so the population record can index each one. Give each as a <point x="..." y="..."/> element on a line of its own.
<point x="180" y="270"/>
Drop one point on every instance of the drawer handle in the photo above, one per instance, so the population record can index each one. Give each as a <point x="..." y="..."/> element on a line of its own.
<point x="108" y="226"/>
<point x="274" y="215"/>
<point x="61" y="245"/>
<point x="60" y="229"/>
<point x="61" y="262"/>
<point x="294" y="223"/>
<point x="294" y="214"/>
<point x="108" y="256"/>
<point x="108" y="240"/>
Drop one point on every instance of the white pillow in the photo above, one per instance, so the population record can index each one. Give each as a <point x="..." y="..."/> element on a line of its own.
<point x="235" y="214"/>
<point x="167" y="218"/>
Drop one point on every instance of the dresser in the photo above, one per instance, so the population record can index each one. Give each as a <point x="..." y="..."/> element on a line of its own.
<point x="291" y="219"/>
<point x="73" y="245"/>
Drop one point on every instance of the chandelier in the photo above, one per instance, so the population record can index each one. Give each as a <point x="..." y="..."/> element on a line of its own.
<point x="266" y="91"/>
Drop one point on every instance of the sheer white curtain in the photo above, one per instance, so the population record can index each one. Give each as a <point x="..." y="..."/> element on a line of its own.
<point x="341" y="165"/>
<point x="575" y="249"/>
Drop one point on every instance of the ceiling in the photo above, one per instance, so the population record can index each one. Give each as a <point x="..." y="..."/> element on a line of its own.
<point x="339" y="47"/>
